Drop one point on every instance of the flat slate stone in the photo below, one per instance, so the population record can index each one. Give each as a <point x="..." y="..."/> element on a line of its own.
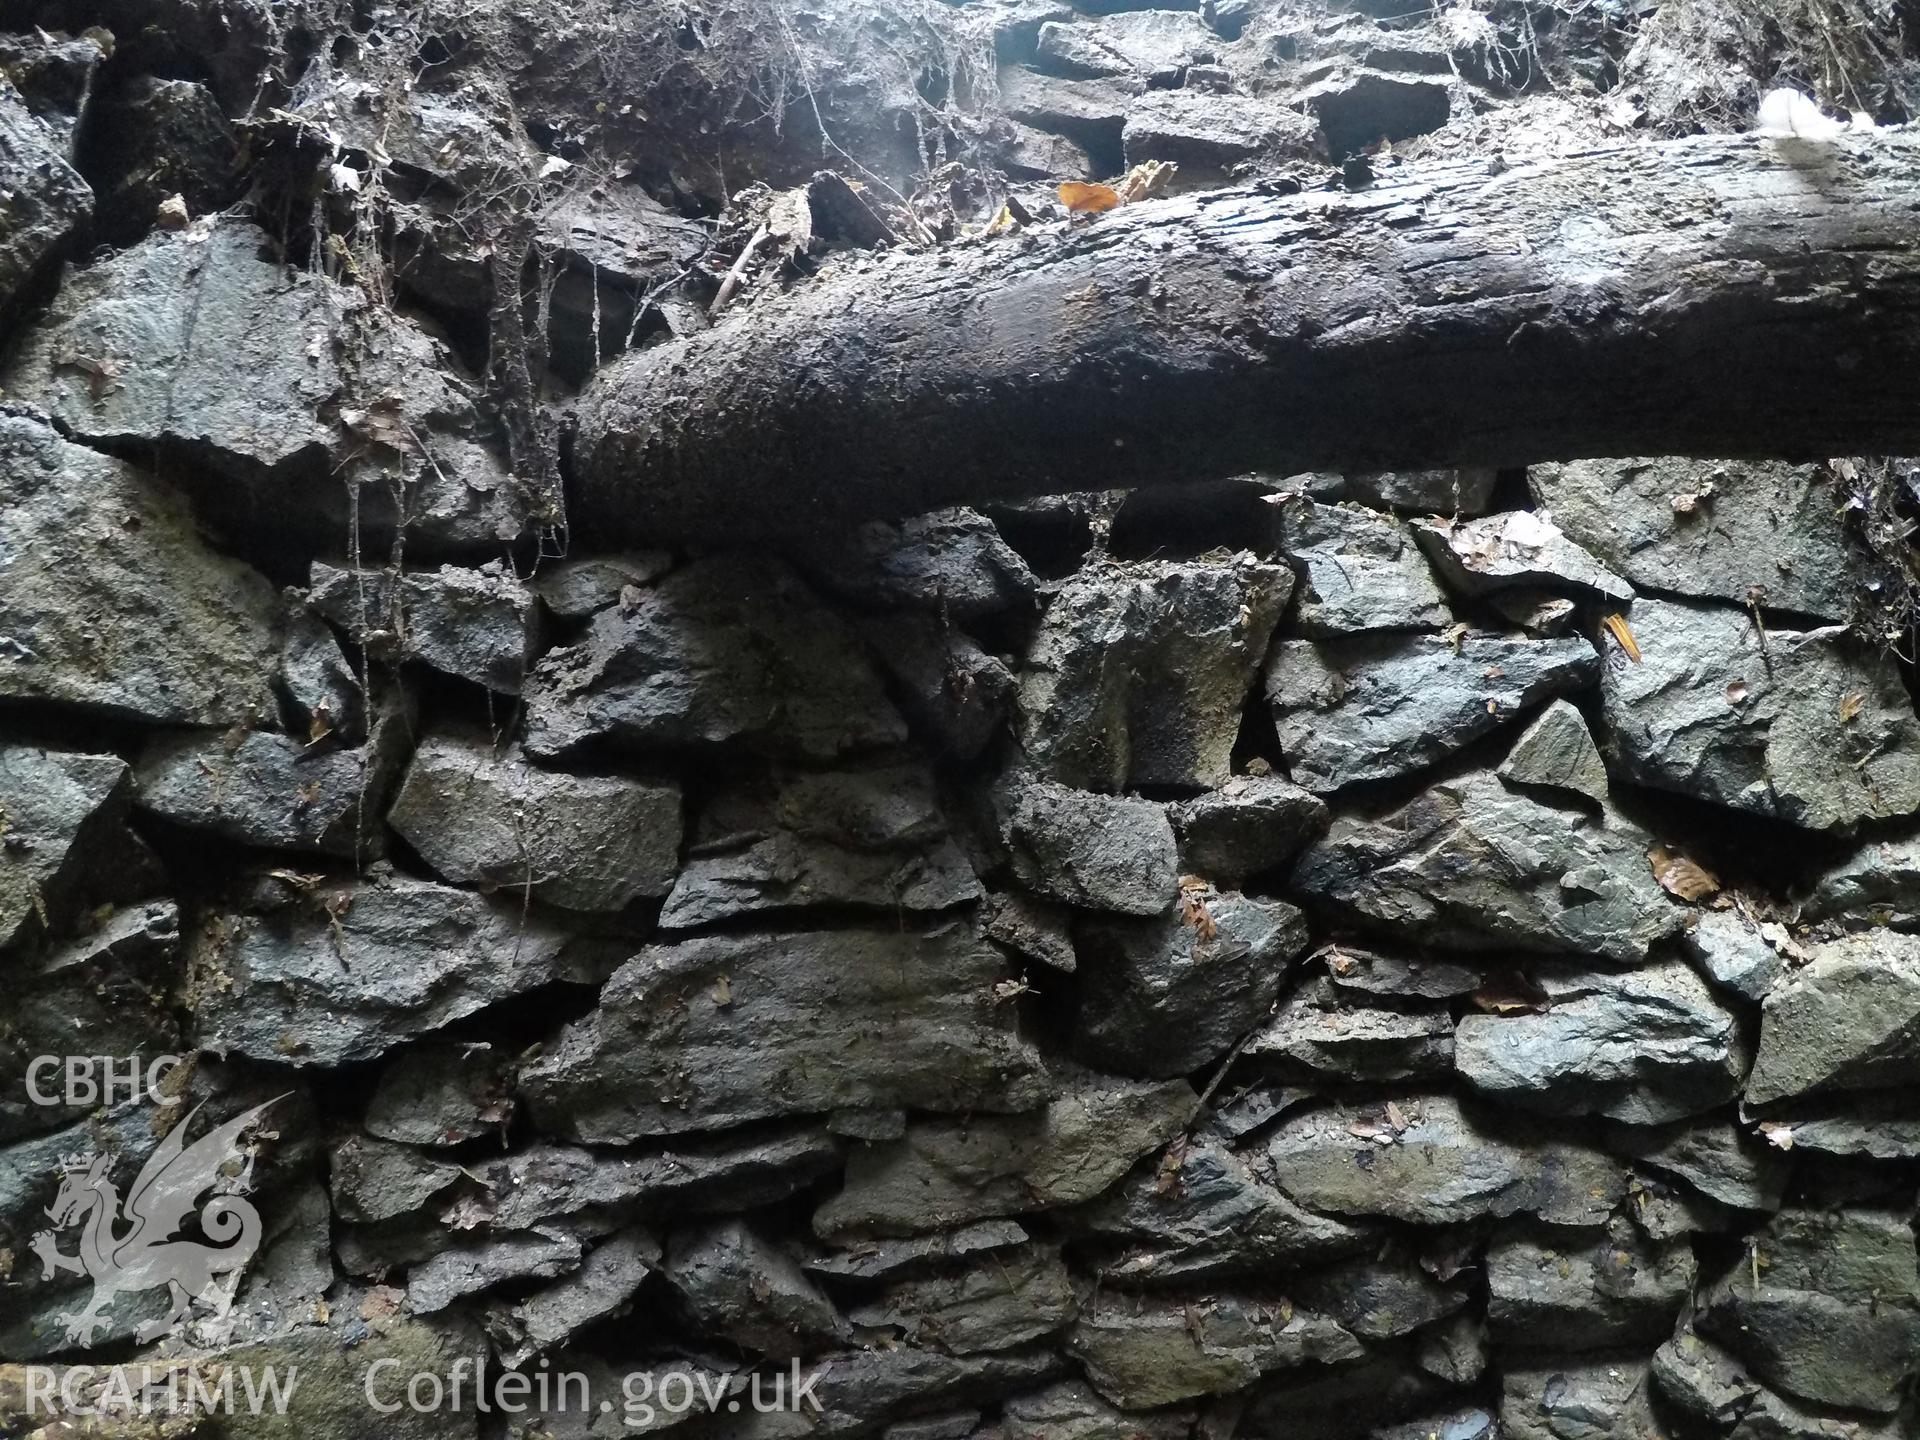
<point x="1715" y="529"/>
<point x="1516" y="550"/>
<point x="947" y="1172"/>
<point x="1444" y="1167"/>
<point x="1645" y="1046"/>
<point x="347" y="970"/>
<point x="1803" y="726"/>
<point x="722" y="1029"/>
<point x="1379" y="707"/>
<point x="480" y="815"/>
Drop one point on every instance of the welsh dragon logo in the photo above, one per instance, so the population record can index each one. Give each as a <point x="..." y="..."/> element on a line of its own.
<point x="146" y="1255"/>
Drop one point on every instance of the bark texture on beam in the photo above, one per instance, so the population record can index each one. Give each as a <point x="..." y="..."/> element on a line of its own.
<point x="1723" y="296"/>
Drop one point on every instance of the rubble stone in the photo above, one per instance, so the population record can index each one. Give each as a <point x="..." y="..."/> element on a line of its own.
<point x="947" y="1172"/>
<point x="57" y="806"/>
<point x="1830" y="1310"/>
<point x="1516" y="550"/>
<point x="741" y="1284"/>
<point x="1645" y="1046"/>
<point x="192" y="341"/>
<point x="1557" y="752"/>
<point x="480" y="625"/>
<point x="1444" y="1167"/>
<point x="1362" y="571"/>
<point x="482" y="816"/>
<point x="687" y="1035"/>
<point x="1811" y="729"/>
<point x="1251" y="823"/>
<point x="1570" y="1291"/>
<point x="1383" y="706"/>
<point x="1848" y="1020"/>
<point x="45" y="201"/>
<point x="1139" y="673"/>
<point x="872" y="837"/>
<point x="1469" y="862"/>
<point x="202" y="652"/>
<point x="727" y="649"/>
<point x="1162" y="997"/>
<point x="1103" y="852"/>
<point x="1142" y="1353"/>
<point x="1715" y="529"/>
<point x="347" y="970"/>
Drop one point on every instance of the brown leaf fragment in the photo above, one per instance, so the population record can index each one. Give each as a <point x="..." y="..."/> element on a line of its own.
<point x="1510" y="994"/>
<point x="1850" y="707"/>
<point x="1680" y="876"/>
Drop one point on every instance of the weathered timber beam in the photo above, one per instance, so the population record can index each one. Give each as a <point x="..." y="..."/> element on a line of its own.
<point x="1720" y="296"/>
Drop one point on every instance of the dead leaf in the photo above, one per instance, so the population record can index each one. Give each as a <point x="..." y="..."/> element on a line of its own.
<point x="1084" y="199"/>
<point x="1681" y="876"/>
<point x="1166" y="1180"/>
<point x="1144" y="180"/>
<point x="1850" y="707"/>
<point x="1622" y="632"/>
<point x="723" y="992"/>
<point x="1511" y="994"/>
<point x="1779" y="1134"/>
<point x="1396" y="1117"/>
<point x="1194" y="911"/>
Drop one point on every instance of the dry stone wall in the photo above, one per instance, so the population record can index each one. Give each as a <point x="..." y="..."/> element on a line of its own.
<point x="1320" y="957"/>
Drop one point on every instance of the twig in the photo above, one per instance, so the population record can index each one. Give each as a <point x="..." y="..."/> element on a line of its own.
<point x="738" y="273"/>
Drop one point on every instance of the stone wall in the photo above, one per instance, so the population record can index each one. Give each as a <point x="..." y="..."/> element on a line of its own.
<point x="1385" y="955"/>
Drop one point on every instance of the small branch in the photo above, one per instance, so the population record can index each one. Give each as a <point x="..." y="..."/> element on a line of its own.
<point x="738" y="274"/>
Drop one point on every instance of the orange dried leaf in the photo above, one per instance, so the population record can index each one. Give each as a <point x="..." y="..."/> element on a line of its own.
<point x="1617" y="626"/>
<point x="1084" y="199"/>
